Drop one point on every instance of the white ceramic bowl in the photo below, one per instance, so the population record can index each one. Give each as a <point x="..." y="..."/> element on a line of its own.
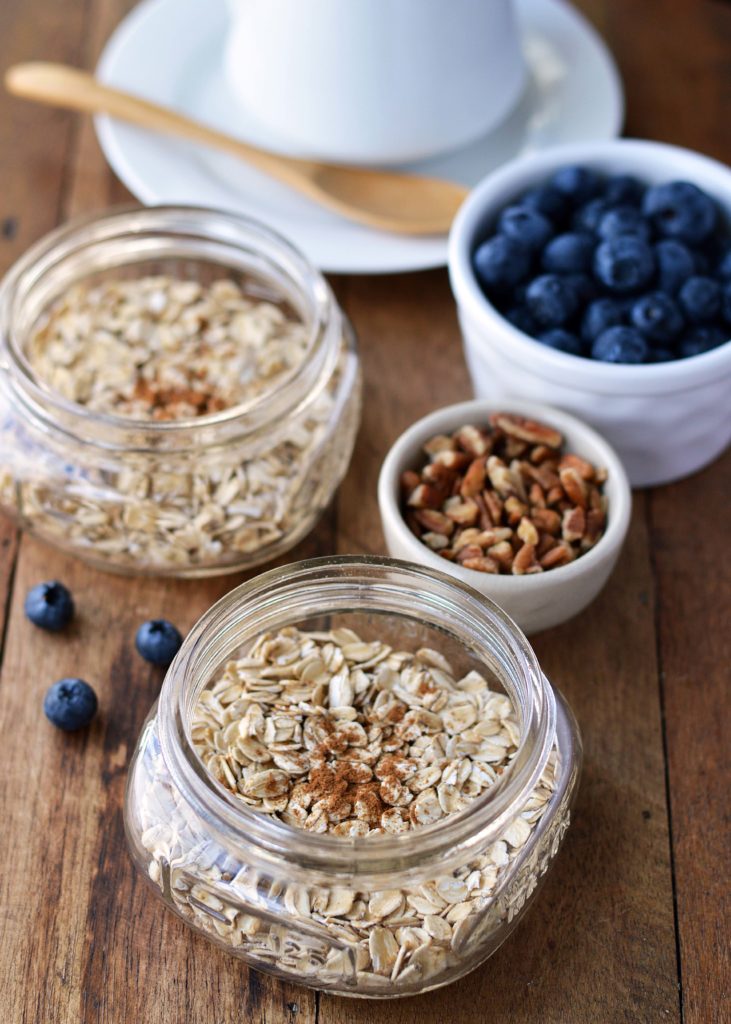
<point x="537" y="601"/>
<point x="666" y="420"/>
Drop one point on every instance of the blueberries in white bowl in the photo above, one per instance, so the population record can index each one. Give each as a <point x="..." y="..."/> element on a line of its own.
<point x="610" y="269"/>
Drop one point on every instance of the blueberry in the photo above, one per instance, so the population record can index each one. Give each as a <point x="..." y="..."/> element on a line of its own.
<point x="599" y="316"/>
<point x="623" y="188"/>
<point x="620" y="345"/>
<point x="661" y="355"/>
<point x="584" y="286"/>
<point x="49" y="605"/>
<point x="577" y="183"/>
<point x="726" y="302"/>
<point x="700" y="299"/>
<point x="723" y="270"/>
<point x="70" y="704"/>
<point x="561" y="340"/>
<point x="587" y="217"/>
<point x="158" y="641"/>
<point x="679" y="209"/>
<point x="624" y="264"/>
<point x="521" y="318"/>
<point x="527" y="227"/>
<point x="702" y="339"/>
<point x="657" y="317"/>
<point x="623" y="220"/>
<point x="569" y="253"/>
<point x="675" y="264"/>
<point x="500" y="262"/>
<point x="546" y="200"/>
<point x="552" y="300"/>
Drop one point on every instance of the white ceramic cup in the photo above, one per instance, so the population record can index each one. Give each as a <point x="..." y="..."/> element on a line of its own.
<point x="374" y="81"/>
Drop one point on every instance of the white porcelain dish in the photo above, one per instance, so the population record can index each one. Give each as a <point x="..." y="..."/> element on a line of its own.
<point x="666" y="420"/>
<point x="538" y="601"/>
<point x="171" y="51"/>
<point x="375" y="81"/>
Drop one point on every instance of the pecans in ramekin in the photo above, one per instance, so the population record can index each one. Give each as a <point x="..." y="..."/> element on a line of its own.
<point x="505" y="498"/>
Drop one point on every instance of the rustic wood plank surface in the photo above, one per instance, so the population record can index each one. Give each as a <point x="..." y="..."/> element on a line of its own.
<point x="632" y="925"/>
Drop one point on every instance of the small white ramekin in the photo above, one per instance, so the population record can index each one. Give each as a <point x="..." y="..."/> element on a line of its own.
<point x="537" y="601"/>
<point x="666" y="420"/>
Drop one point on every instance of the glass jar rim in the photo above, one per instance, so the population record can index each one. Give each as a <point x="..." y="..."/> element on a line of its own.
<point x="188" y="223"/>
<point x="482" y="821"/>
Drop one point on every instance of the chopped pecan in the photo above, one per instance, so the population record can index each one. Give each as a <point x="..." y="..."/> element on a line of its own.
<point x="527" y="430"/>
<point x="583" y="468"/>
<point x="574" y="486"/>
<point x="425" y="496"/>
<point x="540" y="453"/>
<point x="525" y="561"/>
<point x="467" y="552"/>
<point x="465" y="513"/>
<point x="435" y="541"/>
<point x="409" y="481"/>
<point x="561" y="554"/>
<point x="486" y="520"/>
<point x="554" y="495"/>
<point x="594" y="528"/>
<point x="527" y="532"/>
<point x="501" y="478"/>
<point x="475" y="442"/>
<point x="482" y="564"/>
<point x="547" y="519"/>
<point x="502" y="553"/>
<point x="536" y="496"/>
<point x="486" y="538"/>
<point x="545" y="543"/>
<point x="440" y="443"/>
<point x="573" y="524"/>
<point x="451" y="459"/>
<point x="474" y="479"/>
<point x="494" y="506"/>
<point x="514" y="448"/>
<point x="434" y="521"/>
<point x="465" y="537"/>
<point x="514" y="509"/>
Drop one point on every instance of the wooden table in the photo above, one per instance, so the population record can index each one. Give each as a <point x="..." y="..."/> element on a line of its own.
<point x="631" y="924"/>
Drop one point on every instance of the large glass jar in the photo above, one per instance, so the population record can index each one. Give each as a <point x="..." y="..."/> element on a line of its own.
<point x="189" y="497"/>
<point x="286" y="899"/>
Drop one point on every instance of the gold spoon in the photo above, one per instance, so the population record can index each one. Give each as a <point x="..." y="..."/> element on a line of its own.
<point x="405" y="203"/>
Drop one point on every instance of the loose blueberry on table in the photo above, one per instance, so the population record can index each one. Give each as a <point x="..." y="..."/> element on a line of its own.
<point x="70" y="704"/>
<point x="611" y="269"/>
<point x="158" y="641"/>
<point x="49" y="606"/>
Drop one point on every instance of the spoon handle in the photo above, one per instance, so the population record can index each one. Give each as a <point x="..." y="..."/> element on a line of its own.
<point x="62" y="86"/>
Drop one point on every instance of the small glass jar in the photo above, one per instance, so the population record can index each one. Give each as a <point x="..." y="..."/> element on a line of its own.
<point x="190" y="497"/>
<point x="284" y="899"/>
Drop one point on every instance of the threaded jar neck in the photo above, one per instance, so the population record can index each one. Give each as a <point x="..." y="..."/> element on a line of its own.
<point x="164" y="240"/>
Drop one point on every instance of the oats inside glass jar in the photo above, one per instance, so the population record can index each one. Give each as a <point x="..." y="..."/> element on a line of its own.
<point x="330" y="733"/>
<point x="162" y="348"/>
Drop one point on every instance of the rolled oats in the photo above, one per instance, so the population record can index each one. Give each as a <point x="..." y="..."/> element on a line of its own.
<point x="397" y="742"/>
<point x="158" y="349"/>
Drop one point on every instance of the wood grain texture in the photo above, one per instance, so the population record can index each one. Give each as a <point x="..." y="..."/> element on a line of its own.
<point x="695" y="654"/>
<point x="645" y="669"/>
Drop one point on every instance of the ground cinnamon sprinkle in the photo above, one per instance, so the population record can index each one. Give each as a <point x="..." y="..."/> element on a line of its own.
<point x="331" y="733"/>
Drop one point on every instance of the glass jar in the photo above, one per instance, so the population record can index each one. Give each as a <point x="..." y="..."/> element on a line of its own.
<point x="190" y="497"/>
<point x="284" y="899"/>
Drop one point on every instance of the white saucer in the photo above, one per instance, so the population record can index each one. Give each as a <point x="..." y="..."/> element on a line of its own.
<point x="170" y="51"/>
